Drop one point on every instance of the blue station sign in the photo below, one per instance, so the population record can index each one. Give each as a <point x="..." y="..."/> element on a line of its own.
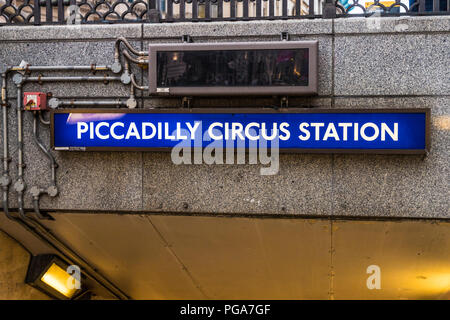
<point x="297" y="130"/>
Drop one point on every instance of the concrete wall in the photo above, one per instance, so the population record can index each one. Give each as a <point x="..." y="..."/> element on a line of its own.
<point x="392" y="63"/>
<point x="14" y="260"/>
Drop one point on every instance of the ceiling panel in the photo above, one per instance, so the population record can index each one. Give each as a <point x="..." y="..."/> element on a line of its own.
<point x="413" y="257"/>
<point x="128" y="251"/>
<point x="242" y="258"/>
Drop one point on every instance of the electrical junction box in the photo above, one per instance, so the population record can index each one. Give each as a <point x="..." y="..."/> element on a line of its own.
<point x="35" y="101"/>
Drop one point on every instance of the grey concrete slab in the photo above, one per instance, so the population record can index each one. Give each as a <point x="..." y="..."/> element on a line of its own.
<point x="302" y="186"/>
<point x="396" y="185"/>
<point x="236" y="28"/>
<point x="98" y="181"/>
<point x="413" y="64"/>
<point x="71" y="32"/>
<point x="374" y="24"/>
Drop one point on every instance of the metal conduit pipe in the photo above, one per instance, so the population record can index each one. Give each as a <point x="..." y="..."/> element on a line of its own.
<point x="19" y="185"/>
<point x="131" y="103"/>
<point x="133" y="82"/>
<point x="140" y="60"/>
<point x="52" y="190"/>
<point x="28" y="223"/>
<point x="117" y="65"/>
<point x="56" y="103"/>
<point x="92" y="67"/>
<point x="42" y="120"/>
<point x="41" y="146"/>
<point x="34" y="226"/>
<point x="5" y="179"/>
<point x="76" y="78"/>
<point x="129" y="47"/>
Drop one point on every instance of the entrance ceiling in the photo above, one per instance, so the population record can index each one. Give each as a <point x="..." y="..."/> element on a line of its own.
<point x="194" y="257"/>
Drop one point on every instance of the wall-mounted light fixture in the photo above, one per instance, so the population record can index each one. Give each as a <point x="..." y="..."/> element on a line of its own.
<point x="49" y="273"/>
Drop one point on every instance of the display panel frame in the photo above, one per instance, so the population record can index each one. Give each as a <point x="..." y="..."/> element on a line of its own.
<point x="310" y="89"/>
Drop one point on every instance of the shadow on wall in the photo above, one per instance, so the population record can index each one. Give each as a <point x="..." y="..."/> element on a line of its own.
<point x="14" y="261"/>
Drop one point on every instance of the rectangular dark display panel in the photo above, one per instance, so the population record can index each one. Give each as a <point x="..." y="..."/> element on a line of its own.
<point x="282" y="67"/>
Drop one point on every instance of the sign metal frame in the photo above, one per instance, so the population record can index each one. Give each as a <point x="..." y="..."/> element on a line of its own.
<point x="426" y="111"/>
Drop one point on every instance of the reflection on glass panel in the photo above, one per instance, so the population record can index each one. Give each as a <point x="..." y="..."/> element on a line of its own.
<point x="286" y="67"/>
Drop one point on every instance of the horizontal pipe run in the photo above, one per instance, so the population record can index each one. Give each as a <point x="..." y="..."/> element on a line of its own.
<point x="82" y="78"/>
<point x="62" y="68"/>
<point x="133" y="81"/>
<point x="140" y="61"/>
<point x="91" y="103"/>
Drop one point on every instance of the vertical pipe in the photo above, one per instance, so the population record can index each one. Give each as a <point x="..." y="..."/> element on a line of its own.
<point x="5" y="125"/>
<point x="52" y="191"/>
<point x="19" y="130"/>
<point x="5" y="178"/>
<point x="53" y="164"/>
<point x="20" y="183"/>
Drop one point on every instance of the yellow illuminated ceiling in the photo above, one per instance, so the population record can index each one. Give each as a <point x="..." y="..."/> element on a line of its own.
<point x="193" y="257"/>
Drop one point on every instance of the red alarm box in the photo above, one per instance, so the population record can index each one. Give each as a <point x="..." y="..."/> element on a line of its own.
<point x="34" y="101"/>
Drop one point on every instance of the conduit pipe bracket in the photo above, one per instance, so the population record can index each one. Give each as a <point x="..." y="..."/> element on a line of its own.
<point x="284" y="102"/>
<point x="131" y="103"/>
<point x="285" y="36"/>
<point x="18" y="79"/>
<point x="125" y="78"/>
<point x="19" y="185"/>
<point x="185" y="38"/>
<point x="53" y="103"/>
<point x="5" y="180"/>
<point x="187" y="102"/>
<point x="116" y="67"/>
